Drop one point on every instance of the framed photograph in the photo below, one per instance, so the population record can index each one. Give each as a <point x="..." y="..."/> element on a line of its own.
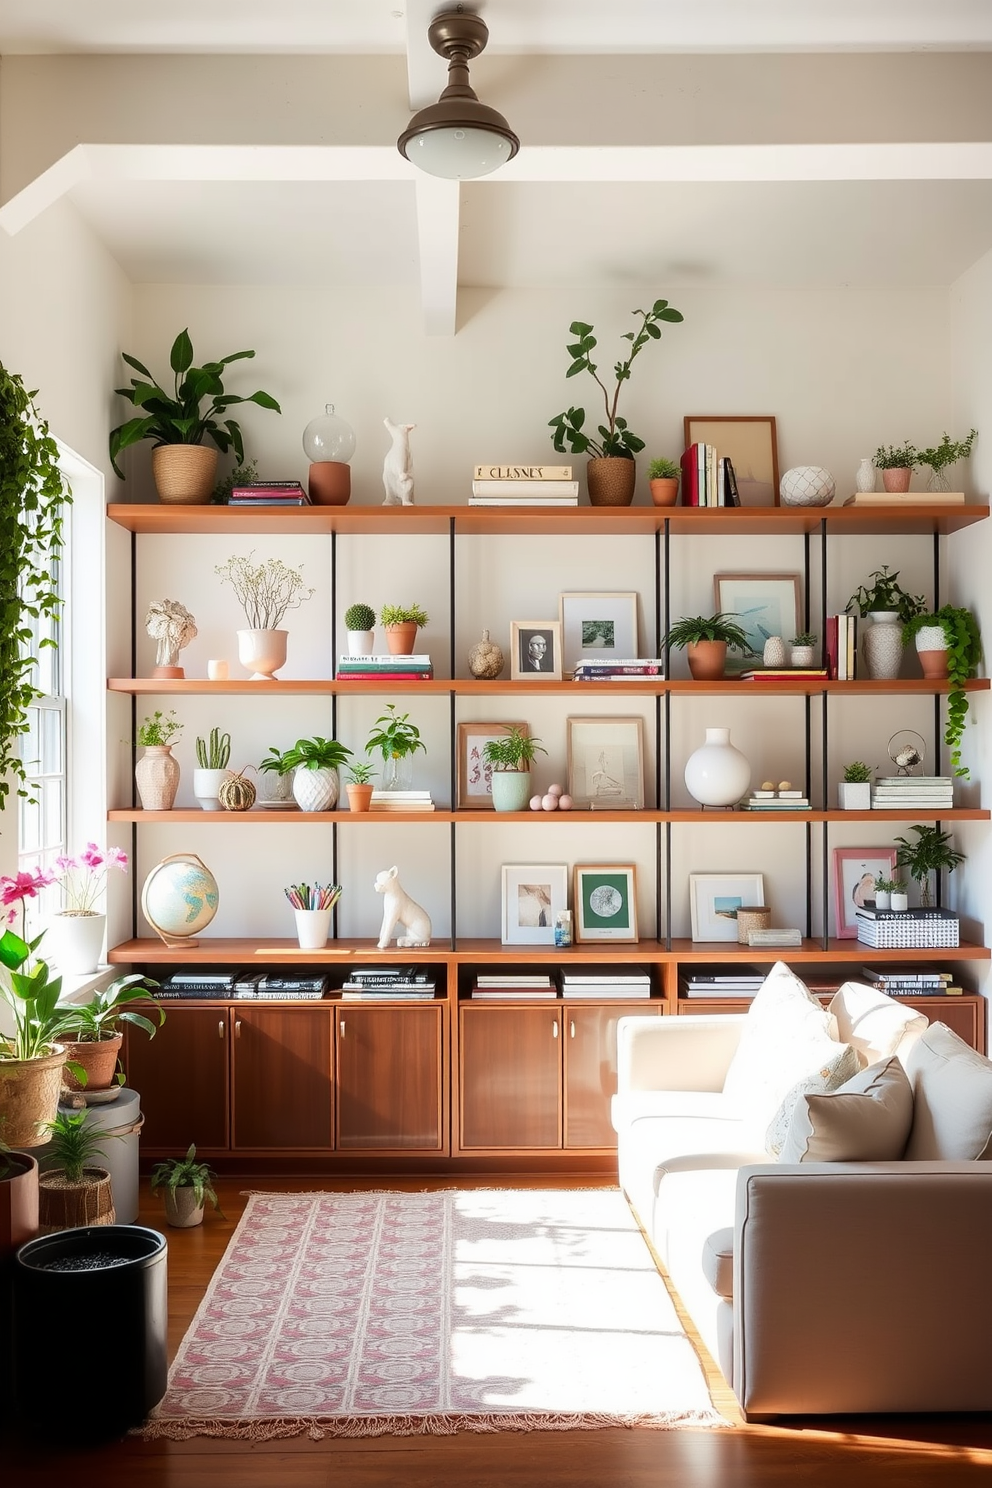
<point x="604" y="902"/>
<point x="474" y="789"/>
<point x="765" y="604"/>
<point x="534" y="894"/>
<point x="715" y="898"/>
<point x="535" y="650"/>
<point x="606" y="763"/>
<point x="855" y="872"/>
<point x="751" y="445"/>
<point x="600" y="625"/>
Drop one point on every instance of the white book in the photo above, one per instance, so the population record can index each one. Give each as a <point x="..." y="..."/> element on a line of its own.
<point x="524" y="474"/>
<point x="523" y="501"/>
<point x="525" y="490"/>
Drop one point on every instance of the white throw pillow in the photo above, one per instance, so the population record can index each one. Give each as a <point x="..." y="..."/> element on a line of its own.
<point x="875" y="1024"/>
<point x="952" y="1099"/>
<point x="868" y="1119"/>
<point x="787" y="1039"/>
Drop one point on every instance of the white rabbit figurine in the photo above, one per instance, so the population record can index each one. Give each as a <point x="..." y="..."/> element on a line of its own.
<point x="397" y="468"/>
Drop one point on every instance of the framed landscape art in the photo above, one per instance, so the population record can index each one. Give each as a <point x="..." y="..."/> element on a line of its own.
<point x="715" y="898"/>
<point x="750" y="443"/>
<point x="600" y="625"/>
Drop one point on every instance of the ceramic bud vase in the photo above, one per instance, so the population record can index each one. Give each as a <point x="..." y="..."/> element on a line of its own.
<point x="864" y="479"/>
<point x="157" y="777"/>
<point x="316" y="790"/>
<point x="717" y="774"/>
<point x="881" y="645"/>
<point x="774" y="654"/>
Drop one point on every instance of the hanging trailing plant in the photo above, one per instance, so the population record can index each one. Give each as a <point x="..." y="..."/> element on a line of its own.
<point x="33" y="495"/>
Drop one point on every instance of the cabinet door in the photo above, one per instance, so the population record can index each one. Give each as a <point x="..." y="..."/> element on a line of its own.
<point x="389" y="1077"/>
<point x="282" y="1077"/>
<point x="182" y="1077"/>
<point x="590" y="1054"/>
<point x="510" y="1077"/>
<point x="964" y="1016"/>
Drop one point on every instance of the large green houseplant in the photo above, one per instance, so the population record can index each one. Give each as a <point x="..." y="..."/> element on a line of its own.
<point x="33" y="495"/>
<point x="616" y="440"/>
<point x="929" y="852"/>
<point x="187" y="417"/>
<point x="31" y="1058"/>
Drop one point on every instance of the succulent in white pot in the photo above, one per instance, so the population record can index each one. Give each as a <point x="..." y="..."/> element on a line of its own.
<point x="854" y="791"/>
<point x="359" y="622"/>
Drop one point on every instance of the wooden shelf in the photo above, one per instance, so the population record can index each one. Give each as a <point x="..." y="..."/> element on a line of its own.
<point x="472" y="687"/>
<point x="152" y="517"/>
<point x="711" y="817"/>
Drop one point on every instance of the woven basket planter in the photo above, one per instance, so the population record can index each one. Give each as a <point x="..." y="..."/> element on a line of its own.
<point x="65" y="1206"/>
<point x="29" y="1097"/>
<point x="611" y="481"/>
<point x="184" y="473"/>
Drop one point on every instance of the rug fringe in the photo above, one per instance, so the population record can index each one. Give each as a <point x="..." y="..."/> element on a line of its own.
<point x="318" y="1427"/>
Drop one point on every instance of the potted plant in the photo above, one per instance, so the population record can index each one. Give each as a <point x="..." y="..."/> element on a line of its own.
<point x="316" y="784"/>
<point x="884" y="889"/>
<point x="185" y="1184"/>
<point x="93" y="1031"/>
<point x="212" y="757"/>
<point x="266" y="592"/>
<point x="156" y="773"/>
<point x="949" y="645"/>
<point x="183" y="465"/>
<point x="510" y="757"/>
<point x="854" y="791"/>
<point x="31" y="1059"/>
<point x="359" y="785"/>
<point x="397" y="740"/>
<point x="896" y="462"/>
<point x="706" y="640"/>
<point x="888" y="606"/>
<point x="401" y="623"/>
<point x="79" y="926"/>
<point x="946" y="453"/>
<point x="663" y="478"/>
<point x="930" y="852"/>
<point x="33" y="495"/>
<point x="243" y="474"/>
<point x="359" y="622"/>
<point x="72" y="1190"/>
<point x="801" y="649"/>
<point x="609" y="484"/>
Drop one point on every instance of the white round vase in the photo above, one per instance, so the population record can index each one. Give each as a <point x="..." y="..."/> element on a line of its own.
<point x="717" y="774"/>
<point x="316" y="790"/>
<point x="262" y="652"/>
<point x="881" y="645"/>
<point x="864" y="478"/>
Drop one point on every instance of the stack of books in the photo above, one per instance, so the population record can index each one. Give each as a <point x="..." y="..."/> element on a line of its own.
<point x="776" y="800"/>
<point x="522" y="987"/>
<point x="702" y="982"/>
<point x="841" y="647"/>
<point x="912" y="981"/>
<point x="894" y="929"/>
<point x="523" y="485"/>
<point x="628" y="669"/>
<point x="273" y="987"/>
<point x="781" y="674"/>
<point x="401" y="800"/>
<point x="925" y="793"/>
<point x="378" y="983"/>
<point x="269" y="493"/>
<point x="708" y="478"/>
<point x="623" y="985"/>
<point x="386" y="668"/>
<point x="190" y="984"/>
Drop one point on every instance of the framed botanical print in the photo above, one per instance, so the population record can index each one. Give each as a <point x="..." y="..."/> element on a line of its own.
<point x="603" y="897"/>
<point x="474" y="790"/>
<point x="606" y="763"/>
<point x="751" y="445"/>
<point x="599" y="625"/>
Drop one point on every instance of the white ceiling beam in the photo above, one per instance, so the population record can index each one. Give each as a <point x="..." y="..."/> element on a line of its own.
<point x="438" y="206"/>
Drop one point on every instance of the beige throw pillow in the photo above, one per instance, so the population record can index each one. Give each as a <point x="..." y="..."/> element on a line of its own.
<point x="952" y="1099"/>
<point x="868" y="1119"/>
<point x="876" y="1025"/>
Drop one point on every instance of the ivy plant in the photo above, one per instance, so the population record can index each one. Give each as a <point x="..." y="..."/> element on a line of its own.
<point x="33" y="496"/>
<point x="964" y="652"/>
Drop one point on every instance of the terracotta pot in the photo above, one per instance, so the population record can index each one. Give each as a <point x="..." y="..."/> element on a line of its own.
<point x="29" y="1097"/>
<point x="934" y="664"/>
<point x="359" y="797"/>
<point x="329" y="483"/>
<point x="18" y="1202"/>
<point x="99" y="1060"/>
<point x="707" y="659"/>
<point x="66" y="1206"/>
<point x="184" y="473"/>
<point x="401" y="639"/>
<point x="611" y="481"/>
<point x="896" y="480"/>
<point x="664" y="492"/>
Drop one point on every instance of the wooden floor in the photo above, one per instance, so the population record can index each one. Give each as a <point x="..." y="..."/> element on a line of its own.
<point x="901" y="1452"/>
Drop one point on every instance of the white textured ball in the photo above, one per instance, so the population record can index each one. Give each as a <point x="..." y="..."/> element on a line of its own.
<point x="550" y="802"/>
<point x="535" y="803"/>
<point x="807" y="485"/>
<point x="564" y="803"/>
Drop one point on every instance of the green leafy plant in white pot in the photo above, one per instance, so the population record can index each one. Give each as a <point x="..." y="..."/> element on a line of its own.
<point x="854" y="791"/>
<point x="949" y="644"/>
<point x="314" y="763"/>
<point x="186" y="1185"/>
<point x="887" y="606"/>
<point x="510" y="757"/>
<point x="213" y="755"/>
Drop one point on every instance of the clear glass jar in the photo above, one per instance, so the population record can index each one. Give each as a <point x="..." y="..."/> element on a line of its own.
<point x="328" y="437"/>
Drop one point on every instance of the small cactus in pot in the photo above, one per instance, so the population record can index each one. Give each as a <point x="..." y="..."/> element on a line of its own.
<point x="359" y="622"/>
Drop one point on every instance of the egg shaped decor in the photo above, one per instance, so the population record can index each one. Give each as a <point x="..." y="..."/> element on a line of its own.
<point x="807" y="485"/>
<point x="179" y="898"/>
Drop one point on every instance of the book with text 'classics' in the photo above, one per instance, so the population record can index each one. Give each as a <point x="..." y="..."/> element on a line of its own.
<point x="521" y="473"/>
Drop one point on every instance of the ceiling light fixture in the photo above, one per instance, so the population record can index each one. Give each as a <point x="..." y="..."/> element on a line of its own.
<point x="458" y="137"/>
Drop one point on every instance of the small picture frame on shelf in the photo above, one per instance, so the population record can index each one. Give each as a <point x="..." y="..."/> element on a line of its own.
<point x="599" y="625"/>
<point x="715" y="898"/>
<point x="750" y="443"/>
<point x="535" y="650"/>
<point x="533" y="895"/>
<point x="764" y="605"/>
<point x="855" y="872"/>
<point x="606" y="763"/>
<point x="604" y="896"/>
<point x="474" y="791"/>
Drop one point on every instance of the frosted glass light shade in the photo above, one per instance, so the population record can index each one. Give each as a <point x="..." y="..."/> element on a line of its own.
<point x="328" y="437"/>
<point x="458" y="154"/>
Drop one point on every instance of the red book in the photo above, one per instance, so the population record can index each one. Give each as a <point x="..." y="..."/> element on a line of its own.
<point x="830" y="647"/>
<point x="690" y="476"/>
<point x="384" y="676"/>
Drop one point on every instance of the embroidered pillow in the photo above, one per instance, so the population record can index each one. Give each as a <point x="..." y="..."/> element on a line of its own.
<point x="868" y="1119"/>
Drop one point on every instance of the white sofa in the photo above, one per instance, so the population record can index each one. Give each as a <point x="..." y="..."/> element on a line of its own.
<point x="820" y="1286"/>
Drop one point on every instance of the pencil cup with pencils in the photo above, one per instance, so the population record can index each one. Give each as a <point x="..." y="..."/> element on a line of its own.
<point x="313" y="906"/>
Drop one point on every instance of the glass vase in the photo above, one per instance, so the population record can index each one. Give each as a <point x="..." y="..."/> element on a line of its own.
<point x="938" y="481"/>
<point x="397" y="773"/>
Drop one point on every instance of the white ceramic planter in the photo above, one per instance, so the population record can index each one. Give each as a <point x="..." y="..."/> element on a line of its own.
<point x="316" y="790"/>
<point x="899" y="901"/>
<point x="854" y="795"/>
<point x="262" y="652"/>
<point x="360" y="642"/>
<point x="883" y="898"/>
<point x="312" y="927"/>
<point x="716" y="774"/>
<point x="206" y="786"/>
<point x="78" y="942"/>
<point x="802" y="656"/>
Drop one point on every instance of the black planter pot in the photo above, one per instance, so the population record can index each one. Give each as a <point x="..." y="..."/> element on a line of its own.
<point x="101" y="1290"/>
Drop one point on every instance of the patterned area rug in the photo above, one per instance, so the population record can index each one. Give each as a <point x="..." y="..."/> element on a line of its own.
<point x="364" y="1314"/>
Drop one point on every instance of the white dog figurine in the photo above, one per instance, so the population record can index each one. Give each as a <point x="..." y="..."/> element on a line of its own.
<point x="399" y="909"/>
<point x="397" y="468"/>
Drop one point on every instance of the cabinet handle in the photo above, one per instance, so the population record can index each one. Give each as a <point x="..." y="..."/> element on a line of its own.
<point x="571" y="1028"/>
<point x="341" y="1026"/>
<point x="220" y="1029"/>
<point x="237" y="1028"/>
<point x="554" y="1028"/>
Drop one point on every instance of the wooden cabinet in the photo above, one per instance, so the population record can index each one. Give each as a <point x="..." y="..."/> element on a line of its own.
<point x="182" y="1075"/>
<point x="389" y="1088"/>
<point x="282" y="1077"/>
<point x="509" y="1085"/>
<point x="589" y="1052"/>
